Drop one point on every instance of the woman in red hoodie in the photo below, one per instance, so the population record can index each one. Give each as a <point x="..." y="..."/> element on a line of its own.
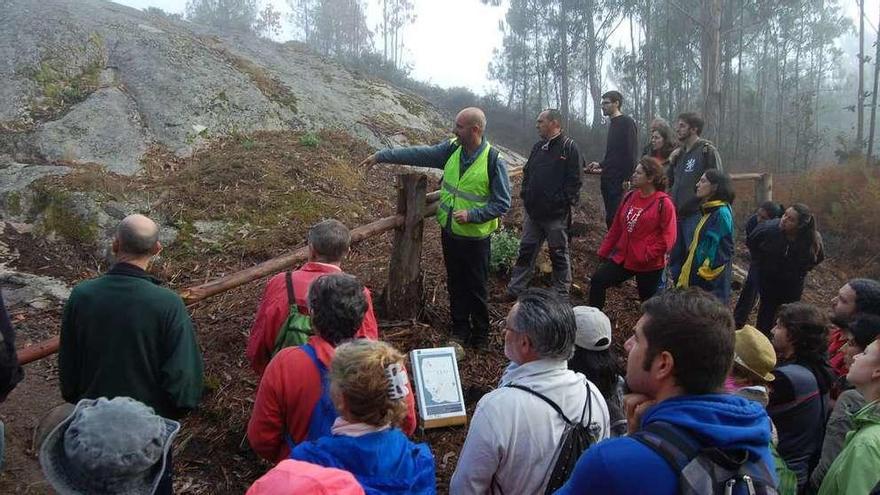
<point x="642" y="234"/>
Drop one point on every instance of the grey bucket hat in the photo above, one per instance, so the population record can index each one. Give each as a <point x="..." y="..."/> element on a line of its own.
<point x="115" y="446"/>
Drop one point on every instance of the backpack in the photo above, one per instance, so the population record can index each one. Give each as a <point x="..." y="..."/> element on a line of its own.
<point x="324" y="413"/>
<point x="297" y="328"/>
<point x="706" y="470"/>
<point x="575" y="440"/>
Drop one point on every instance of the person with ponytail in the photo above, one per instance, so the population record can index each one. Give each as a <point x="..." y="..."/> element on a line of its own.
<point x="369" y="386"/>
<point x="784" y="251"/>
<point x="709" y="261"/>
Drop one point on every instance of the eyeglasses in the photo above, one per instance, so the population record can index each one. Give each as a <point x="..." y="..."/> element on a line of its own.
<point x="605" y="103"/>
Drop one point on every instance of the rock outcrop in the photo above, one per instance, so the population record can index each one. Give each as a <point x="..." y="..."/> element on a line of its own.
<point x="94" y="81"/>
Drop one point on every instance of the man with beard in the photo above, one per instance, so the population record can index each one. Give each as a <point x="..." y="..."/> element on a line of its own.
<point x="687" y="163"/>
<point x="621" y="153"/>
<point x="859" y="295"/>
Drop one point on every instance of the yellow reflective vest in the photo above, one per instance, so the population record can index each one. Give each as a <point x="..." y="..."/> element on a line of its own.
<point x="465" y="192"/>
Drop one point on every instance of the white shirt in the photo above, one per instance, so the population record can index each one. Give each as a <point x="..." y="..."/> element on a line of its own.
<point x="514" y="435"/>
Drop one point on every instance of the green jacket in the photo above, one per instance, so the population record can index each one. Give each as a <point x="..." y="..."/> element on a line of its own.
<point x="857" y="469"/>
<point x="122" y="334"/>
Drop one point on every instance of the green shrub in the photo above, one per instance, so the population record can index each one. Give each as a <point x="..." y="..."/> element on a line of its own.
<point x="505" y="248"/>
<point x="310" y="139"/>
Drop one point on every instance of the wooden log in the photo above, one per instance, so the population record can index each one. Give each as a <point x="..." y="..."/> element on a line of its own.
<point x="275" y="265"/>
<point x="402" y="296"/>
<point x="38" y="351"/>
<point x="747" y="176"/>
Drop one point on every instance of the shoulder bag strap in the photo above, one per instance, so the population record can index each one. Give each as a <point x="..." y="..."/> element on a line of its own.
<point x="291" y="296"/>
<point x="587" y="407"/>
<point x="669" y="443"/>
<point x="542" y="397"/>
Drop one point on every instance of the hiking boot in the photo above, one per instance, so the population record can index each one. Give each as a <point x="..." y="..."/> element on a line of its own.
<point x="480" y="343"/>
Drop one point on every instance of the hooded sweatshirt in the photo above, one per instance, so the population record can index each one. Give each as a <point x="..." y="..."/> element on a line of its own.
<point x="626" y="466"/>
<point x="383" y="462"/>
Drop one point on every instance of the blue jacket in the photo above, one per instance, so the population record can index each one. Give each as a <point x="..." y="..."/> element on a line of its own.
<point x="626" y="466"/>
<point x="435" y="157"/>
<point x="384" y="462"/>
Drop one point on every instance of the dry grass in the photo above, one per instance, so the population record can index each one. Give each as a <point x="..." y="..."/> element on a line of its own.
<point x="845" y="199"/>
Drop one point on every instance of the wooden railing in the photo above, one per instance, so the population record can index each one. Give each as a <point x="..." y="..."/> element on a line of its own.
<point x="406" y="252"/>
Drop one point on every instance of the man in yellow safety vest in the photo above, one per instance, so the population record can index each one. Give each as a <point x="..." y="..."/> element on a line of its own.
<point x="475" y="193"/>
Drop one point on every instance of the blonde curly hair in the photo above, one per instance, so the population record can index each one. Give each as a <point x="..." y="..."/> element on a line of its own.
<point x="358" y="374"/>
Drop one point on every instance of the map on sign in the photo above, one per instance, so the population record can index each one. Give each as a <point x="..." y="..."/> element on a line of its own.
<point x="437" y="383"/>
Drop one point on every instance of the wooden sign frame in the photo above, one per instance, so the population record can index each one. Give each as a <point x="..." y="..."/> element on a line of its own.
<point x="435" y="374"/>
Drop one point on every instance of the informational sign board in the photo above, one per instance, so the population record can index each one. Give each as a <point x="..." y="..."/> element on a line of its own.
<point x="437" y="387"/>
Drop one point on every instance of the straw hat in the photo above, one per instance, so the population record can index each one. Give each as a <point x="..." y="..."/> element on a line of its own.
<point x="754" y="353"/>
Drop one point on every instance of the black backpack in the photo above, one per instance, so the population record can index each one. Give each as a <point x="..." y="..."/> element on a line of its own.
<point x="706" y="470"/>
<point x="575" y="440"/>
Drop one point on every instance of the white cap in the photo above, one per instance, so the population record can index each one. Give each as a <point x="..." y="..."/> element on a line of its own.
<point x="593" y="329"/>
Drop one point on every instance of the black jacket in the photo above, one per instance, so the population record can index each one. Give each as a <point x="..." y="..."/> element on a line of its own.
<point x="10" y="371"/>
<point x="621" y="149"/>
<point x="551" y="178"/>
<point x="780" y="260"/>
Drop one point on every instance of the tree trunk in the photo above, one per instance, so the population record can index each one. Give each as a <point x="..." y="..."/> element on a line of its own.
<point x="649" y="88"/>
<point x="860" y="100"/>
<point x="590" y="46"/>
<point x="710" y="58"/>
<point x="872" y="123"/>
<point x="563" y="62"/>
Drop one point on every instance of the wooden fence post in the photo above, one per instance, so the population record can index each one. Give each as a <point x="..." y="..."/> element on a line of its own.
<point x="404" y="291"/>
<point x="764" y="188"/>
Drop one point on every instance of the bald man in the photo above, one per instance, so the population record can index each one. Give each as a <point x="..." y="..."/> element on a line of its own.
<point x="474" y="196"/>
<point x="123" y="334"/>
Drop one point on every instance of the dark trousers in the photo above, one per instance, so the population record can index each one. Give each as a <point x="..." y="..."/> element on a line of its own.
<point x="612" y="192"/>
<point x="534" y="233"/>
<point x="686" y="226"/>
<point x="774" y="295"/>
<point x="165" y="486"/>
<point x="609" y="274"/>
<point x="748" y="296"/>
<point x="467" y="276"/>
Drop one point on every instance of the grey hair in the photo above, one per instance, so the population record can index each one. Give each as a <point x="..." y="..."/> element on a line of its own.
<point x="330" y="239"/>
<point x="554" y="115"/>
<point x="547" y="321"/>
<point x="135" y="242"/>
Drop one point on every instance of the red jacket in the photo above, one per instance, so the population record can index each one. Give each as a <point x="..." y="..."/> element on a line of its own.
<point x="288" y="392"/>
<point x="274" y="309"/>
<point x="642" y="233"/>
<point x="836" y="351"/>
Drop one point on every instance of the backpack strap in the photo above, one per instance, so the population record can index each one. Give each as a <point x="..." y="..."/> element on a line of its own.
<point x="670" y="443"/>
<point x="291" y="296"/>
<point x="588" y="407"/>
<point x="678" y="449"/>
<point x="542" y="397"/>
<point x="313" y="355"/>
<point x="322" y="372"/>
